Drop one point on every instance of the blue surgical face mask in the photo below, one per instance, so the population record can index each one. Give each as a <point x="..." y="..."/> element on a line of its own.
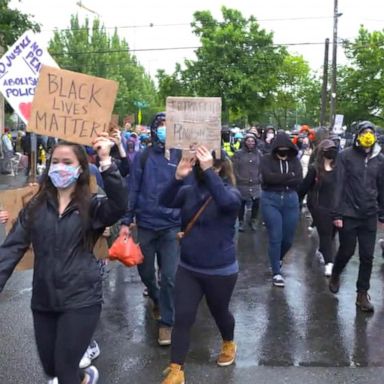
<point x="63" y="176"/>
<point x="161" y="134"/>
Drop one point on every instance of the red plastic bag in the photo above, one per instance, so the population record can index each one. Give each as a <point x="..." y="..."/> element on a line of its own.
<point x="125" y="250"/>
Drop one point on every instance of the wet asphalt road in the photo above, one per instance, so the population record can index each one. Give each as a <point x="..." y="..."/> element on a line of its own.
<point x="301" y="333"/>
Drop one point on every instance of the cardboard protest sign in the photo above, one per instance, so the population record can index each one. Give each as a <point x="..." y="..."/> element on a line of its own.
<point x="13" y="201"/>
<point x="72" y="106"/>
<point x="19" y="72"/>
<point x="192" y="121"/>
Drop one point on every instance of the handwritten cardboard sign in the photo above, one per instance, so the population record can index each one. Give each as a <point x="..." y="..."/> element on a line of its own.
<point x="14" y="200"/>
<point x="72" y="106"/>
<point x="19" y="72"/>
<point x="192" y="121"/>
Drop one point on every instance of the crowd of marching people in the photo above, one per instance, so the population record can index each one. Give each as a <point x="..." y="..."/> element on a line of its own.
<point x="187" y="208"/>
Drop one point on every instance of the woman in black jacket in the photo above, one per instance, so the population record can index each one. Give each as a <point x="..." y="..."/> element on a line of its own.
<point x="63" y="222"/>
<point x="281" y="175"/>
<point x="320" y="183"/>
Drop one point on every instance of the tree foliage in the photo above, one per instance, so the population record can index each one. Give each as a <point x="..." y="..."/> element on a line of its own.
<point x="361" y="82"/>
<point x="296" y="98"/>
<point x="239" y="62"/>
<point x="89" y="49"/>
<point x="13" y="24"/>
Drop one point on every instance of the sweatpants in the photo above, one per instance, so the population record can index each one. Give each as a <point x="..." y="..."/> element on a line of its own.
<point x="364" y="231"/>
<point x="189" y="290"/>
<point x="62" y="339"/>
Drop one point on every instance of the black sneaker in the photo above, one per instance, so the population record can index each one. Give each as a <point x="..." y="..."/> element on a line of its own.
<point x="334" y="284"/>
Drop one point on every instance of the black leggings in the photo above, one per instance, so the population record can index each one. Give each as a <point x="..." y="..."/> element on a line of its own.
<point x="190" y="287"/>
<point x="62" y="338"/>
<point x="254" y="211"/>
<point x="323" y="221"/>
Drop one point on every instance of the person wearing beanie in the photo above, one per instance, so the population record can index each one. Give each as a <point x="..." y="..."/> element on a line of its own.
<point x="358" y="205"/>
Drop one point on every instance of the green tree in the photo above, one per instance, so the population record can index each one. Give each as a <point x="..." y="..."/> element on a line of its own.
<point x="237" y="61"/>
<point x="361" y="82"/>
<point x="13" y="24"/>
<point x="296" y="97"/>
<point x="90" y="50"/>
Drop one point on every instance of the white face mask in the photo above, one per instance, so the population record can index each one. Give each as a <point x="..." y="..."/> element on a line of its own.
<point x="270" y="135"/>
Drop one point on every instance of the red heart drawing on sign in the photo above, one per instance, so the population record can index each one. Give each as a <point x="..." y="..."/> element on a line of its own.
<point x="25" y="109"/>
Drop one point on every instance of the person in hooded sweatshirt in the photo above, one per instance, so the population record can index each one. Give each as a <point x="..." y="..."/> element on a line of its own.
<point x="358" y="204"/>
<point x="157" y="224"/>
<point x="281" y="174"/>
<point x="246" y="165"/>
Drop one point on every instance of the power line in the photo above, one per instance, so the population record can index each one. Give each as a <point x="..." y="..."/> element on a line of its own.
<point x="167" y="25"/>
<point x="171" y="49"/>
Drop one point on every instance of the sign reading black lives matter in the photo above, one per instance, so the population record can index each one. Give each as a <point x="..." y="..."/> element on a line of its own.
<point x="194" y="121"/>
<point x="72" y="106"/>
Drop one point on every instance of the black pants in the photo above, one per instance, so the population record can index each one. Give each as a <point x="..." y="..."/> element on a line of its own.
<point x="365" y="232"/>
<point x="62" y="338"/>
<point x="327" y="231"/>
<point x="254" y="211"/>
<point x="190" y="288"/>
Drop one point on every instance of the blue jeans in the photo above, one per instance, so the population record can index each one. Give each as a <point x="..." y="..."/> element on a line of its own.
<point x="165" y="246"/>
<point x="281" y="215"/>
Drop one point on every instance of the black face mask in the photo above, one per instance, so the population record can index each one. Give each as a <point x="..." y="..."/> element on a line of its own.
<point x="331" y="154"/>
<point x="283" y="152"/>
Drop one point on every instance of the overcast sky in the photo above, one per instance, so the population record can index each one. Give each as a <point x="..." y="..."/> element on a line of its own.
<point x="292" y="21"/>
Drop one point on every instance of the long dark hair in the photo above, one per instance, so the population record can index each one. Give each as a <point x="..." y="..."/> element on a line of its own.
<point x="81" y="195"/>
<point x="226" y="169"/>
<point x="319" y="161"/>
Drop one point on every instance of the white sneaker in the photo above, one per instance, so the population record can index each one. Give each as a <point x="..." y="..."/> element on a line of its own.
<point x="91" y="375"/>
<point x="53" y="381"/>
<point x="278" y="280"/>
<point x="328" y="269"/>
<point x="92" y="352"/>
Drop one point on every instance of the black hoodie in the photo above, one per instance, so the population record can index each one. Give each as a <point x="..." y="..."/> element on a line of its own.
<point x="359" y="191"/>
<point x="281" y="175"/>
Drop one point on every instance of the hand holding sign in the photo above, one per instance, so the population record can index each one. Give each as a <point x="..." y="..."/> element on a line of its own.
<point x="205" y="157"/>
<point x="4" y="217"/>
<point x="102" y="145"/>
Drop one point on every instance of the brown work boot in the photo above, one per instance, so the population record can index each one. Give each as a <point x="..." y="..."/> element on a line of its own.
<point x="363" y="302"/>
<point x="174" y="375"/>
<point x="227" y="354"/>
<point x="334" y="283"/>
<point x="165" y="334"/>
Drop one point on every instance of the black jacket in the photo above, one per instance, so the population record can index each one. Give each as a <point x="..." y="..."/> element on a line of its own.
<point x="359" y="190"/>
<point x="281" y="175"/>
<point x="66" y="273"/>
<point x="320" y="191"/>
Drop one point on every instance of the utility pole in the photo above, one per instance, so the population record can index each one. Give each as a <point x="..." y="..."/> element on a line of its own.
<point x="336" y="15"/>
<point x="324" y="89"/>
